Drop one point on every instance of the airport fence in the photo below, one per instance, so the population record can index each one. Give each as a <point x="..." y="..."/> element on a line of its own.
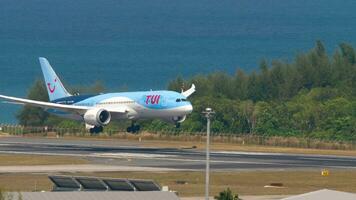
<point x="171" y="135"/>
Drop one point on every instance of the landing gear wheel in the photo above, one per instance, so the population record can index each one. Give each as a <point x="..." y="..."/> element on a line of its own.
<point x="133" y="128"/>
<point x="177" y="125"/>
<point x="91" y="131"/>
<point x="100" y="129"/>
<point x="96" y="129"/>
<point x="129" y="129"/>
<point x="136" y="128"/>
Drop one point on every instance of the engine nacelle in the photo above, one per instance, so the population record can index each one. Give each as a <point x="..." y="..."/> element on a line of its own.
<point x="97" y="117"/>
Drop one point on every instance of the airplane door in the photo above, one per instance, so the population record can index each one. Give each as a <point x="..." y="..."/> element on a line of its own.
<point x="163" y="102"/>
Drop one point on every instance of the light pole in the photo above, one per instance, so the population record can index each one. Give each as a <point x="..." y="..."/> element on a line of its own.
<point x="208" y="114"/>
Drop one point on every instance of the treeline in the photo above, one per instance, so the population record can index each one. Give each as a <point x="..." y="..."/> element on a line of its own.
<point x="311" y="96"/>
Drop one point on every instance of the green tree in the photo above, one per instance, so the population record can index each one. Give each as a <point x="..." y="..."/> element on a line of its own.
<point x="264" y="82"/>
<point x="33" y="116"/>
<point x="337" y="117"/>
<point x="96" y="88"/>
<point x="252" y="87"/>
<point x="248" y="120"/>
<point x="348" y="53"/>
<point x="278" y="82"/>
<point x="240" y="85"/>
<point x="321" y="66"/>
<point x="221" y="85"/>
<point x="227" y="195"/>
<point x="3" y="194"/>
<point x="177" y="84"/>
<point x="267" y="122"/>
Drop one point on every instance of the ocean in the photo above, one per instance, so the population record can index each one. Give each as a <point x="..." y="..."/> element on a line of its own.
<point x="142" y="45"/>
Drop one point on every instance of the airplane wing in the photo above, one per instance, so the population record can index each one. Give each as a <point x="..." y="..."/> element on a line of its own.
<point x="119" y="109"/>
<point x="189" y="92"/>
<point x="67" y="108"/>
<point x="47" y="105"/>
<point x="11" y="102"/>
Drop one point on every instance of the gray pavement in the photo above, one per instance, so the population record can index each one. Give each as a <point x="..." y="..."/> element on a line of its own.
<point x="248" y="197"/>
<point x="125" y="154"/>
<point x="77" y="168"/>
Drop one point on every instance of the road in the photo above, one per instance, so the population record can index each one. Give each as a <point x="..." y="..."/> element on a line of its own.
<point x="126" y="154"/>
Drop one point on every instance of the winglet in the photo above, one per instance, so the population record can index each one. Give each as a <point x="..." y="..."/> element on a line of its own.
<point x="189" y="92"/>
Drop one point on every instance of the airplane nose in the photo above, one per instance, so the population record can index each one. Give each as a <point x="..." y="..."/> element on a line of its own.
<point x="189" y="108"/>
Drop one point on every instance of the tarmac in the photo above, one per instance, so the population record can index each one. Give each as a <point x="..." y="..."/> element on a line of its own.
<point x="244" y="197"/>
<point x="131" y="156"/>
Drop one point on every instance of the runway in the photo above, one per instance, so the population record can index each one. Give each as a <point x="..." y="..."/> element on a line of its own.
<point x="115" y="154"/>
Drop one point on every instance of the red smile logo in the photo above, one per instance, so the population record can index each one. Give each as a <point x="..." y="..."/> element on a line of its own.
<point x="49" y="86"/>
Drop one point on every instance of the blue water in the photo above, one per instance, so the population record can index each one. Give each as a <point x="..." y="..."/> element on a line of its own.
<point x="143" y="44"/>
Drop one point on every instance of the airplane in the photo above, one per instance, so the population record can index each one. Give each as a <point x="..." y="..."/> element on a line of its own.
<point x="97" y="111"/>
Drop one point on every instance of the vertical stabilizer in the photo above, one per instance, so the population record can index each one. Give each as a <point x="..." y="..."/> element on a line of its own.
<point x="54" y="85"/>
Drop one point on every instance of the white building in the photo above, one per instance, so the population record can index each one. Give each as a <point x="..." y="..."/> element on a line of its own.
<point x="324" y="194"/>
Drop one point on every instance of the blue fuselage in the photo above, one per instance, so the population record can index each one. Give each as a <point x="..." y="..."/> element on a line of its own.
<point x="147" y="104"/>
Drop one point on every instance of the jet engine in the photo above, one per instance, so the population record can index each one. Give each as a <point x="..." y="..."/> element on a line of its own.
<point x="97" y="117"/>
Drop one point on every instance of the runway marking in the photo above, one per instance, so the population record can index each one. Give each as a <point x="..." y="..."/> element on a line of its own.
<point x="131" y="155"/>
<point x="80" y="168"/>
<point x="68" y="144"/>
<point x="156" y="158"/>
<point x="329" y="159"/>
<point x="249" y="153"/>
<point x="192" y="160"/>
<point x="73" y="145"/>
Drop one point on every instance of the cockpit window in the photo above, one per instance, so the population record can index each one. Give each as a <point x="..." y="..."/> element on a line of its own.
<point x="179" y="100"/>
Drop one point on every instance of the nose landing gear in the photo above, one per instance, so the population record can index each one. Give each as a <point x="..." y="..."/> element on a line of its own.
<point x="178" y="125"/>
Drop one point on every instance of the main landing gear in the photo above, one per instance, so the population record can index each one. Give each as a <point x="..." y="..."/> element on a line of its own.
<point x="133" y="128"/>
<point x="178" y="125"/>
<point x="96" y="129"/>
